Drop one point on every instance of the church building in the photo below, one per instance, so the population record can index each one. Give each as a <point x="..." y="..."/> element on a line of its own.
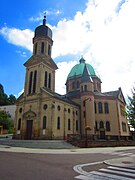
<point x="41" y="113"/>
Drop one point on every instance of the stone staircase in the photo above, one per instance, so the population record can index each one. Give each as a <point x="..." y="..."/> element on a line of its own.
<point x="37" y="144"/>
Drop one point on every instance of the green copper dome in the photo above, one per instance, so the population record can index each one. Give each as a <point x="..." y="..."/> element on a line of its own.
<point x="78" y="69"/>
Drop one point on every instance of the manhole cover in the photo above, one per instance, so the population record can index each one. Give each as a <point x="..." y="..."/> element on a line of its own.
<point x="127" y="162"/>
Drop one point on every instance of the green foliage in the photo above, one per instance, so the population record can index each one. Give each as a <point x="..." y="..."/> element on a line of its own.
<point x="131" y="109"/>
<point x="5" y="120"/>
<point x="4" y="99"/>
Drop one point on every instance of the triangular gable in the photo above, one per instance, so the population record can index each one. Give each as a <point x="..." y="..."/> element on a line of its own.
<point x="121" y="96"/>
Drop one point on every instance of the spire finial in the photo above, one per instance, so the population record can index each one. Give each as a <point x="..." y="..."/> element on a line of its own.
<point x="44" y="20"/>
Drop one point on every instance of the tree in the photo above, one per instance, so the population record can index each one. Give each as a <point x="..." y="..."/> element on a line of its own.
<point x="5" y="120"/>
<point x="12" y="99"/>
<point x="131" y="109"/>
<point x="4" y="99"/>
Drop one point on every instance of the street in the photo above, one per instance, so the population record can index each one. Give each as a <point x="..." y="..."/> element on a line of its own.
<point x="75" y="164"/>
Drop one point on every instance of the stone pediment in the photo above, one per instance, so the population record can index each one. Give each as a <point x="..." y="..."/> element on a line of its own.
<point x="29" y="114"/>
<point x="33" y="60"/>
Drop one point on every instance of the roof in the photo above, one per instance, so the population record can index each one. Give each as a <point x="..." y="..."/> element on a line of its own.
<point x="86" y="75"/>
<point x="43" y="30"/>
<point x="113" y="94"/>
<point x="78" y="69"/>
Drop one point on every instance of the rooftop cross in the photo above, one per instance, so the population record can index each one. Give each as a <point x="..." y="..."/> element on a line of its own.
<point x="44" y="20"/>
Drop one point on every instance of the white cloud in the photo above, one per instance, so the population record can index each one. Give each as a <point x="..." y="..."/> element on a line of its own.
<point x="39" y="17"/>
<point x="61" y="75"/>
<point x="18" y="37"/>
<point x="23" y="54"/>
<point x="106" y="39"/>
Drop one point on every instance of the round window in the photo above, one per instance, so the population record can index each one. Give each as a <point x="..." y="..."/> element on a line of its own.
<point x="45" y="106"/>
<point x="20" y="110"/>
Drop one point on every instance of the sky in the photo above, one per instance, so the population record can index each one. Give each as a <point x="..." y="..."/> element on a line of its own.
<point x="102" y="31"/>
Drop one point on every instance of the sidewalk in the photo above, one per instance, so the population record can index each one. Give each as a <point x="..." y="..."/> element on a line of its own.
<point x="124" y="162"/>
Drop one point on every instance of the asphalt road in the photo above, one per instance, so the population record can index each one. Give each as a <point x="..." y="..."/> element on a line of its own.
<point x="26" y="166"/>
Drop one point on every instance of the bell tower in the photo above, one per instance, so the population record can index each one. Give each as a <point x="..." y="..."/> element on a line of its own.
<point x="87" y="102"/>
<point x="40" y="68"/>
<point x="42" y="41"/>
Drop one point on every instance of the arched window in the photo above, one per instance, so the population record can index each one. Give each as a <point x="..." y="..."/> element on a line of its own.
<point x="58" y="108"/>
<point x="58" y="123"/>
<point x="30" y="82"/>
<point x="96" y="125"/>
<point x="78" y="84"/>
<point x="77" y="125"/>
<point x="106" y="108"/>
<point x="36" y="48"/>
<point x="45" y="82"/>
<point x="124" y="127"/>
<point x="81" y="88"/>
<point x="95" y="107"/>
<point x="100" y="109"/>
<point x="34" y="82"/>
<point x="107" y="126"/>
<point x="44" y="122"/>
<point x="49" y="82"/>
<point x="101" y="124"/>
<point x="68" y="124"/>
<point x="85" y="87"/>
<point x="42" y="47"/>
<point x="73" y="85"/>
<point x="49" y="50"/>
<point x="19" y="124"/>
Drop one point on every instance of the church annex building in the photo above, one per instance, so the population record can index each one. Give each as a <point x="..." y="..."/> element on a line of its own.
<point x="41" y="113"/>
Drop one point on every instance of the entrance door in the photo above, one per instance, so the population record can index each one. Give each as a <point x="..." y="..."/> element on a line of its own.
<point x="0" y="129"/>
<point x="102" y="134"/>
<point x="29" y="126"/>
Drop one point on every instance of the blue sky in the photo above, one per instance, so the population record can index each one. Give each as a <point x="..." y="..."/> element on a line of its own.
<point x="101" y="31"/>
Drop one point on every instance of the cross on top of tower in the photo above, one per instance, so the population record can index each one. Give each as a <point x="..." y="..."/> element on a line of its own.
<point x="44" y="20"/>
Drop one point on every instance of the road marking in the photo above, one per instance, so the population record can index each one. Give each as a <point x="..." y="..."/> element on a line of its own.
<point x="103" y="175"/>
<point x="117" y="172"/>
<point x="121" y="169"/>
<point x="111" y="173"/>
<point x="126" y="154"/>
<point x="78" y="168"/>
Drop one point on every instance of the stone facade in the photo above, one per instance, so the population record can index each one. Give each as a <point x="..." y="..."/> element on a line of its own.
<point x="84" y="109"/>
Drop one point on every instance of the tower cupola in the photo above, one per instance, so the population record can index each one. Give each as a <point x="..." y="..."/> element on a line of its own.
<point x="42" y="41"/>
<point x="43" y="30"/>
